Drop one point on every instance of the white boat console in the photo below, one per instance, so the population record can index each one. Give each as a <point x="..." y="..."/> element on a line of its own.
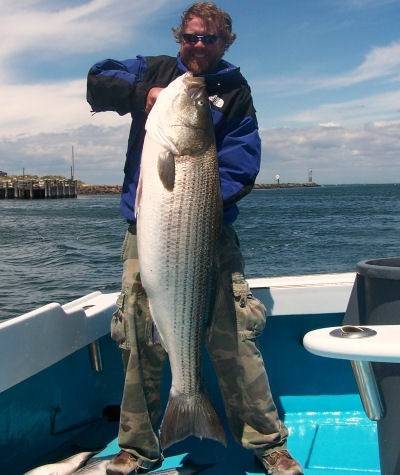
<point x="362" y="346"/>
<point x="355" y="343"/>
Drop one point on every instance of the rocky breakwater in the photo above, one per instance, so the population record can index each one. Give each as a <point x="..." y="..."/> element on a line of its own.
<point x="267" y="186"/>
<point x="85" y="189"/>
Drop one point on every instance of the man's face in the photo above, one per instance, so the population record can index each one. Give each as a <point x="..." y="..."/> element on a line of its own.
<point x="200" y="57"/>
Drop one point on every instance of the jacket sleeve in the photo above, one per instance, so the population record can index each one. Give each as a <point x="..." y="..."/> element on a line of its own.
<point x="239" y="153"/>
<point x="115" y="85"/>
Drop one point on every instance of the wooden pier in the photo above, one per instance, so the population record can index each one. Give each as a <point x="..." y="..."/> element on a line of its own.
<point x="38" y="189"/>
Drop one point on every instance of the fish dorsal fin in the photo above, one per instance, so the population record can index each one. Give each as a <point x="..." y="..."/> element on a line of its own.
<point x="166" y="169"/>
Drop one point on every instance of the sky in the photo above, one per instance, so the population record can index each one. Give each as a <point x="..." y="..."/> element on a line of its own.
<point x="324" y="74"/>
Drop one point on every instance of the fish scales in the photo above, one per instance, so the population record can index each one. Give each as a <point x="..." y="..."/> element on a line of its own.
<point x="188" y="270"/>
<point x="188" y="235"/>
<point x="179" y="212"/>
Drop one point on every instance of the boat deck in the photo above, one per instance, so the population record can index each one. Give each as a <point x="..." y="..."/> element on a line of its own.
<point x="340" y="443"/>
<point x="316" y="397"/>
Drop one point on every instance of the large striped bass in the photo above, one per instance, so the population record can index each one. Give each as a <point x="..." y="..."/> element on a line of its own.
<point x="179" y="211"/>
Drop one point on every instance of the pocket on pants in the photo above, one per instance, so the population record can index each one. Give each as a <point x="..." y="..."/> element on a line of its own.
<point x="250" y="312"/>
<point x="119" y="325"/>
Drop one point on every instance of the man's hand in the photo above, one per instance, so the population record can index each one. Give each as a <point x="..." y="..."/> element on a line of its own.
<point x="152" y="97"/>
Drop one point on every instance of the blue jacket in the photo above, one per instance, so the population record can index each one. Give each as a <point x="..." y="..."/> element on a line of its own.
<point x="122" y="86"/>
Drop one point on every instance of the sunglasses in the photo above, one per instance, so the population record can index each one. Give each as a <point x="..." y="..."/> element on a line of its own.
<point x="192" y="39"/>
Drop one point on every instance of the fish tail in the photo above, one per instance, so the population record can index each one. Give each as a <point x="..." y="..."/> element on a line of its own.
<point x="190" y="415"/>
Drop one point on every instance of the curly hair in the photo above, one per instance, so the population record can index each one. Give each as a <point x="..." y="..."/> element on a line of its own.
<point x="210" y="14"/>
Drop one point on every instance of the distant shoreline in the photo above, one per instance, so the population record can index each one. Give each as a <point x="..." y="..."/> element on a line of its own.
<point x="267" y="186"/>
<point x="88" y="189"/>
<point x="84" y="189"/>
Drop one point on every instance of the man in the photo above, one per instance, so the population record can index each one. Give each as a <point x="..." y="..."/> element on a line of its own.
<point x="132" y="86"/>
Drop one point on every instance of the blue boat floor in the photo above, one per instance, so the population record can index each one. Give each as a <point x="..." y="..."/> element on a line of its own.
<point x="337" y="443"/>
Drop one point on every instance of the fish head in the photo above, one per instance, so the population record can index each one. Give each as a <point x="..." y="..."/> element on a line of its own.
<point x="181" y="117"/>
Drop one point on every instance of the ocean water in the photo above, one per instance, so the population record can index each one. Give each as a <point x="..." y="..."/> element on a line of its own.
<point x="59" y="250"/>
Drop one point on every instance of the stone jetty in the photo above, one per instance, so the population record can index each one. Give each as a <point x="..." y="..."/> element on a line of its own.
<point x="267" y="186"/>
<point x="85" y="189"/>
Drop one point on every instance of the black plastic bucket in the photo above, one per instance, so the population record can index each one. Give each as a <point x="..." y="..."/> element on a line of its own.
<point x="375" y="300"/>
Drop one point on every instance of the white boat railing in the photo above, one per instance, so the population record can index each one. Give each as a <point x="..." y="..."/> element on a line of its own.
<point x="38" y="339"/>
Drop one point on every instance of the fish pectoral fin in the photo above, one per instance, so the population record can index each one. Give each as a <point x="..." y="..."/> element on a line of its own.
<point x="166" y="169"/>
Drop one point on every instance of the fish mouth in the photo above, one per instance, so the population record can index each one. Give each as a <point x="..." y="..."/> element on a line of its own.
<point x="191" y="81"/>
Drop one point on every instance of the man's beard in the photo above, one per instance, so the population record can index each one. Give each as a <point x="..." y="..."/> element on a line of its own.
<point x="199" y="65"/>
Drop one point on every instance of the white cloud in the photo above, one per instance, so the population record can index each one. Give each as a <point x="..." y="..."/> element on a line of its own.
<point x="329" y="124"/>
<point x="379" y="63"/>
<point x="369" y="153"/>
<point x="385" y="106"/>
<point x="99" y="153"/>
<point x="33" y="109"/>
<point x="43" y="29"/>
<point x="363" y="4"/>
<point x="40" y="121"/>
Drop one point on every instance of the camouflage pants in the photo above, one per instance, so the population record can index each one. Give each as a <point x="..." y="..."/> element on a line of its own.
<point x="238" y="318"/>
